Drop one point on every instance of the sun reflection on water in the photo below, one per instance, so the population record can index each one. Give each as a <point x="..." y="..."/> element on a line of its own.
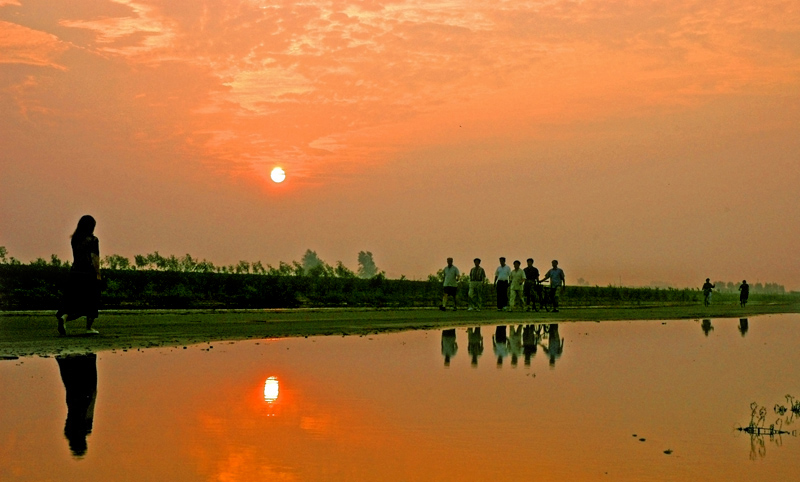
<point x="271" y="390"/>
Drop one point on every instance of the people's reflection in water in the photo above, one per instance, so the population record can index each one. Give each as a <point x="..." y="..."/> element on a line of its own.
<point x="530" y="339"/>
<point x="515" y="344"/>
<point x="474" y="344"/>
<point x="79" y="374"/>
<point x="555" y="344"/>
<point x="743" y="326"/>
<point x="706" y="326"/>
<point x="449" y="345"/>
<point x="500" y="344"/>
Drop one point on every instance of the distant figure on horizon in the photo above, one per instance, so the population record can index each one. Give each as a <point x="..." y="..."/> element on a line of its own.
<point x="451" y="274"/>
<point x="532" y="286"/>
<point x="449" y="345"/>
<point x="82" y="292"/>
<point x="744" y="293"/>
<point x="517" y="278"/>
<point x="557" y="279"/>
<point x="707" y="289"/>
<point x="501" y="278"/>
<point x="79" y="374"/>
<point x="477" y="278"/>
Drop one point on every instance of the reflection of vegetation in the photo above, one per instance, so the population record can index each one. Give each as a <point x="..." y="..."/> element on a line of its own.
<point x="757" y="428"/>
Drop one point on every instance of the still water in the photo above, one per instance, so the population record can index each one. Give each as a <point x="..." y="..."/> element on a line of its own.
<point x="575" y="401"/>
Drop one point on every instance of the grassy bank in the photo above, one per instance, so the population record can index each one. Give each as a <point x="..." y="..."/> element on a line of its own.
<point x="34" y="333"/>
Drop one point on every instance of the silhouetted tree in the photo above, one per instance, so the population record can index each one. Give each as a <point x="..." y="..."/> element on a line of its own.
<point x="116" y="262"/>
<point x="258" y="268"/>
<point x="310" y="261"/>
<point x="341" y="271"/>
<point x="366" y="265"/>
<point x="39" y="262"/>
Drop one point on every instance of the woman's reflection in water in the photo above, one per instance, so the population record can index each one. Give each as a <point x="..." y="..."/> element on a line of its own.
<point x="474" y="344"/>
<point x="555" y="344"/>
<point x="449" y="345"/>
<point x="79" y="374"/>
<point x="706" y="326"/>
<point x="500" y="344"/>
<point x="743" y="326"/>
<point x="530" y="339"/>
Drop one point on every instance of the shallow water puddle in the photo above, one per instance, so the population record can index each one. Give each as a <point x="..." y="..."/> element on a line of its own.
<point x="642" y="400"/>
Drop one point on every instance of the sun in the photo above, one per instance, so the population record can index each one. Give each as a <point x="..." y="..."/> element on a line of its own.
<point x="278" y="174"/>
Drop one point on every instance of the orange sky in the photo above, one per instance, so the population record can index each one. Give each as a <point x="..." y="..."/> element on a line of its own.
<point x="634" y="141"/>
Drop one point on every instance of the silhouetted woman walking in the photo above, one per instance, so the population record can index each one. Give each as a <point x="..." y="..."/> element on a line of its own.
<point x="82" y="293"/>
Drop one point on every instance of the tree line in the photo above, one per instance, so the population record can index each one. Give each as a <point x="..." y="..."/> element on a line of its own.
<point x="733" y="287"/>
<point x="158" y="282"/>
<point x="309" y="265"/>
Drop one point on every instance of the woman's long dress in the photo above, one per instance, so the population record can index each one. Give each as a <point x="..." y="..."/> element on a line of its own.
<point x="82" y="292"/>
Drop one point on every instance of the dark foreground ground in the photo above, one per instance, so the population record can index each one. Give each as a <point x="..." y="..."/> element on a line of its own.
<point x="34" y="333"/>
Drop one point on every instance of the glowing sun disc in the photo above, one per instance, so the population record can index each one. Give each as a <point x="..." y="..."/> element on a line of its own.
<point x="278" y="174"/>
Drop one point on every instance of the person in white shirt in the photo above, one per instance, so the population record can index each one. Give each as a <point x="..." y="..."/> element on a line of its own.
<point x="501" y="278"/>
<point x="451" y="275"/>
<point x="557" y="279"/>
<point x="517" y="278"/>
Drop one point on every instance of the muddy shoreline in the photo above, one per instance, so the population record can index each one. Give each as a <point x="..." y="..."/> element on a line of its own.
<point x="34" y="333"/>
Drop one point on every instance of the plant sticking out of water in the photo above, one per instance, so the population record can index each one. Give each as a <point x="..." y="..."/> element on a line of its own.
<point x="757" y="427"/>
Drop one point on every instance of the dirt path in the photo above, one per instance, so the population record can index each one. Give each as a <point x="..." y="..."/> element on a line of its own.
<point x="34" y="333"/>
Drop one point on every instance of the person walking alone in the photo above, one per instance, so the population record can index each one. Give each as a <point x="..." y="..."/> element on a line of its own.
<point x="82" y="293"/>
<point x="707" y="289"/>
<point x="744" y="293"/>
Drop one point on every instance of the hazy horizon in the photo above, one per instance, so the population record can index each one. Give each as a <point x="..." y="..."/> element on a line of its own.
<point x="634" y="142"/>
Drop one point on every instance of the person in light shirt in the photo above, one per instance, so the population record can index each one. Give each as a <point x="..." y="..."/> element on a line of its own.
<point x="451" y="275"/>
<point x="501" y="278"/>
<point x="517" y="278"/>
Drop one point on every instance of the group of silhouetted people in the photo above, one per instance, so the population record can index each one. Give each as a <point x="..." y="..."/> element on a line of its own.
<point x="514" y="287"/>
<point x="708" y="289"/>
<point x="508" y="341"/>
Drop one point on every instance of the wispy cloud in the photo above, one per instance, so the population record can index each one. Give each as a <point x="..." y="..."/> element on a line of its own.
<point x="302" y="82"/>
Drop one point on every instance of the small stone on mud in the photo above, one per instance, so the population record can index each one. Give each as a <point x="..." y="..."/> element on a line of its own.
<point x="668" y="451"/>
<point x="642" y="440"/>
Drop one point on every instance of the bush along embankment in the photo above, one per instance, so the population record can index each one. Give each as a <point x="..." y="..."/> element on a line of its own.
<point x="39" y="287"/>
